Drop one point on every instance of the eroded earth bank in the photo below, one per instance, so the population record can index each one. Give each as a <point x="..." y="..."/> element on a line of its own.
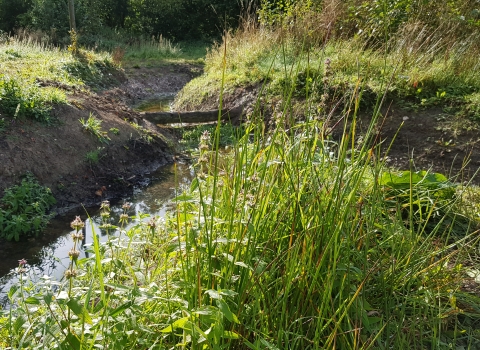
<point x="81" y="168"/>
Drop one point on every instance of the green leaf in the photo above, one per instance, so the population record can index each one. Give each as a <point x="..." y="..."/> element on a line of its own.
<point x="32" y="301"/>
<point x="180" y="323"/>
<point x="214" y="294"/>
<point x="71" y="342"/>
<point x="12" y="291"/>
<point x="79" y="310"/>
<point x="121" y="308"/>
<point x="48" y="298"/>
<point x="228" y="293"/>
<point x="19" y="322"/>
<point x="184" y="198"/>
<point x="230" y="335"/>
<point x="223" y="307"/>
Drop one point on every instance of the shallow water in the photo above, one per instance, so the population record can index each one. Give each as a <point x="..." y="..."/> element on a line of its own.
<point x="160" y="104"/>
<point x="48" y="256"/>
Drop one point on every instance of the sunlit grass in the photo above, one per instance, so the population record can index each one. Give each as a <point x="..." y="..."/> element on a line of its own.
<point x="34" y="76"/>
<point x="406" y="69"/>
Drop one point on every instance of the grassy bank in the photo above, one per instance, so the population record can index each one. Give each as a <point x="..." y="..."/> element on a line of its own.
<point x="416" y="68"/>
<point x="34" y="75"/>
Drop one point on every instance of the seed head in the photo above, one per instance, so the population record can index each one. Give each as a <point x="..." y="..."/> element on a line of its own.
<point x="124" y="218"/>
<point x="203" y="160"/>
<point x="205" y="138"/>
<point x="77" y="237"/>
<point x="152" y="224"/>
<point x="105" y="206"/>
<point x="77" y="224"/>
<point x="74" y="254"/>
<point x="70" y="274"/>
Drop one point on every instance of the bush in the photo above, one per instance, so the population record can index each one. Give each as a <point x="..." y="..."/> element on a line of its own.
<point x="24" y="209"/>
<point x="20" y="101"/>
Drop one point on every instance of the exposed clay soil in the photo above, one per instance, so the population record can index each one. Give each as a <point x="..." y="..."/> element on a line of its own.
<point x="57" y="155"/>
<point x="435" y="140"/>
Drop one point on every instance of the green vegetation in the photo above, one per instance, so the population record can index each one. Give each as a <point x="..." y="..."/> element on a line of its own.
<point x="228" y="134"/>
<point x="34" y="76"/>
<point x="115" y="131"/>
<point x="94" y="126"/>
<point x="287" y="238"/>
<point x="93" y="157"/>
<point x="177" y="19"/>
<point x="415" y="77"/>
<point x="24" y="209"/>
<point x="291" y="238"/>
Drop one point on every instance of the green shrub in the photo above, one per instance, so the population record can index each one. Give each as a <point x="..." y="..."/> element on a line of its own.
<point x="24" y="209"/>
<point x="228" y="134"/>
<point x="16" y="100"/>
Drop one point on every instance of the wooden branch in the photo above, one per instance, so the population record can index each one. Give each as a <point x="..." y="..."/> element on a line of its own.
<point x="191" y="117"/>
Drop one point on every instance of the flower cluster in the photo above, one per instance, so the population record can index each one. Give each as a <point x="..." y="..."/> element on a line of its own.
<point x="22" y="266"/>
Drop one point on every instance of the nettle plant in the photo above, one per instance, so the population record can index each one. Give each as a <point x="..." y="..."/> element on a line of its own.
<point x="24" y="209"/>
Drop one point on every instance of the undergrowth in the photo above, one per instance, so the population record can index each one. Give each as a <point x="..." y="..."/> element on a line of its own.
<point x="24" y="209"/>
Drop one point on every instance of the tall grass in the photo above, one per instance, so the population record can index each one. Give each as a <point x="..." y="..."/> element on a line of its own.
<point x="422" y="67"/>
<point x="155" y="48"/>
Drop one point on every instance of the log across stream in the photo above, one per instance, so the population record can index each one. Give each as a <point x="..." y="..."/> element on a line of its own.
<point x="192" y="117"/>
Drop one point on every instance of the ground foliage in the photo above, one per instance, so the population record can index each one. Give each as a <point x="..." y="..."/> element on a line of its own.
<point x="287" y="239"/>
<point x="24" y="209"/>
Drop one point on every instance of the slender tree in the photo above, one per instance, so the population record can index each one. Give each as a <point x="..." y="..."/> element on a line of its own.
<point x="71" y="13"/>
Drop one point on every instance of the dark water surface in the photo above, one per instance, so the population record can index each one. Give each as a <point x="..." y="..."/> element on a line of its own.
<point x="48" y="255"/>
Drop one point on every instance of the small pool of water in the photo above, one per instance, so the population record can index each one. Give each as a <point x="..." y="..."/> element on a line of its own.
<point x="160" y="104"/>
<point x="48" y="255"/>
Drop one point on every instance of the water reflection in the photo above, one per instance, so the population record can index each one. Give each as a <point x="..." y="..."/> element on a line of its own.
<point x="48" y="256"/>
<point x="160" y="104"/>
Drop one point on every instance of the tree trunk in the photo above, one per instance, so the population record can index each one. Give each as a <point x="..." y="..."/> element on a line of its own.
<point x="71" y="14"/>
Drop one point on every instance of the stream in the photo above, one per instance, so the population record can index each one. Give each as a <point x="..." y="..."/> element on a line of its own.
<point x="47" y="255"/>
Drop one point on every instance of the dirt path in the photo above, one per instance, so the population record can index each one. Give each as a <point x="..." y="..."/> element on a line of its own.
<point x="76" y="165"/>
